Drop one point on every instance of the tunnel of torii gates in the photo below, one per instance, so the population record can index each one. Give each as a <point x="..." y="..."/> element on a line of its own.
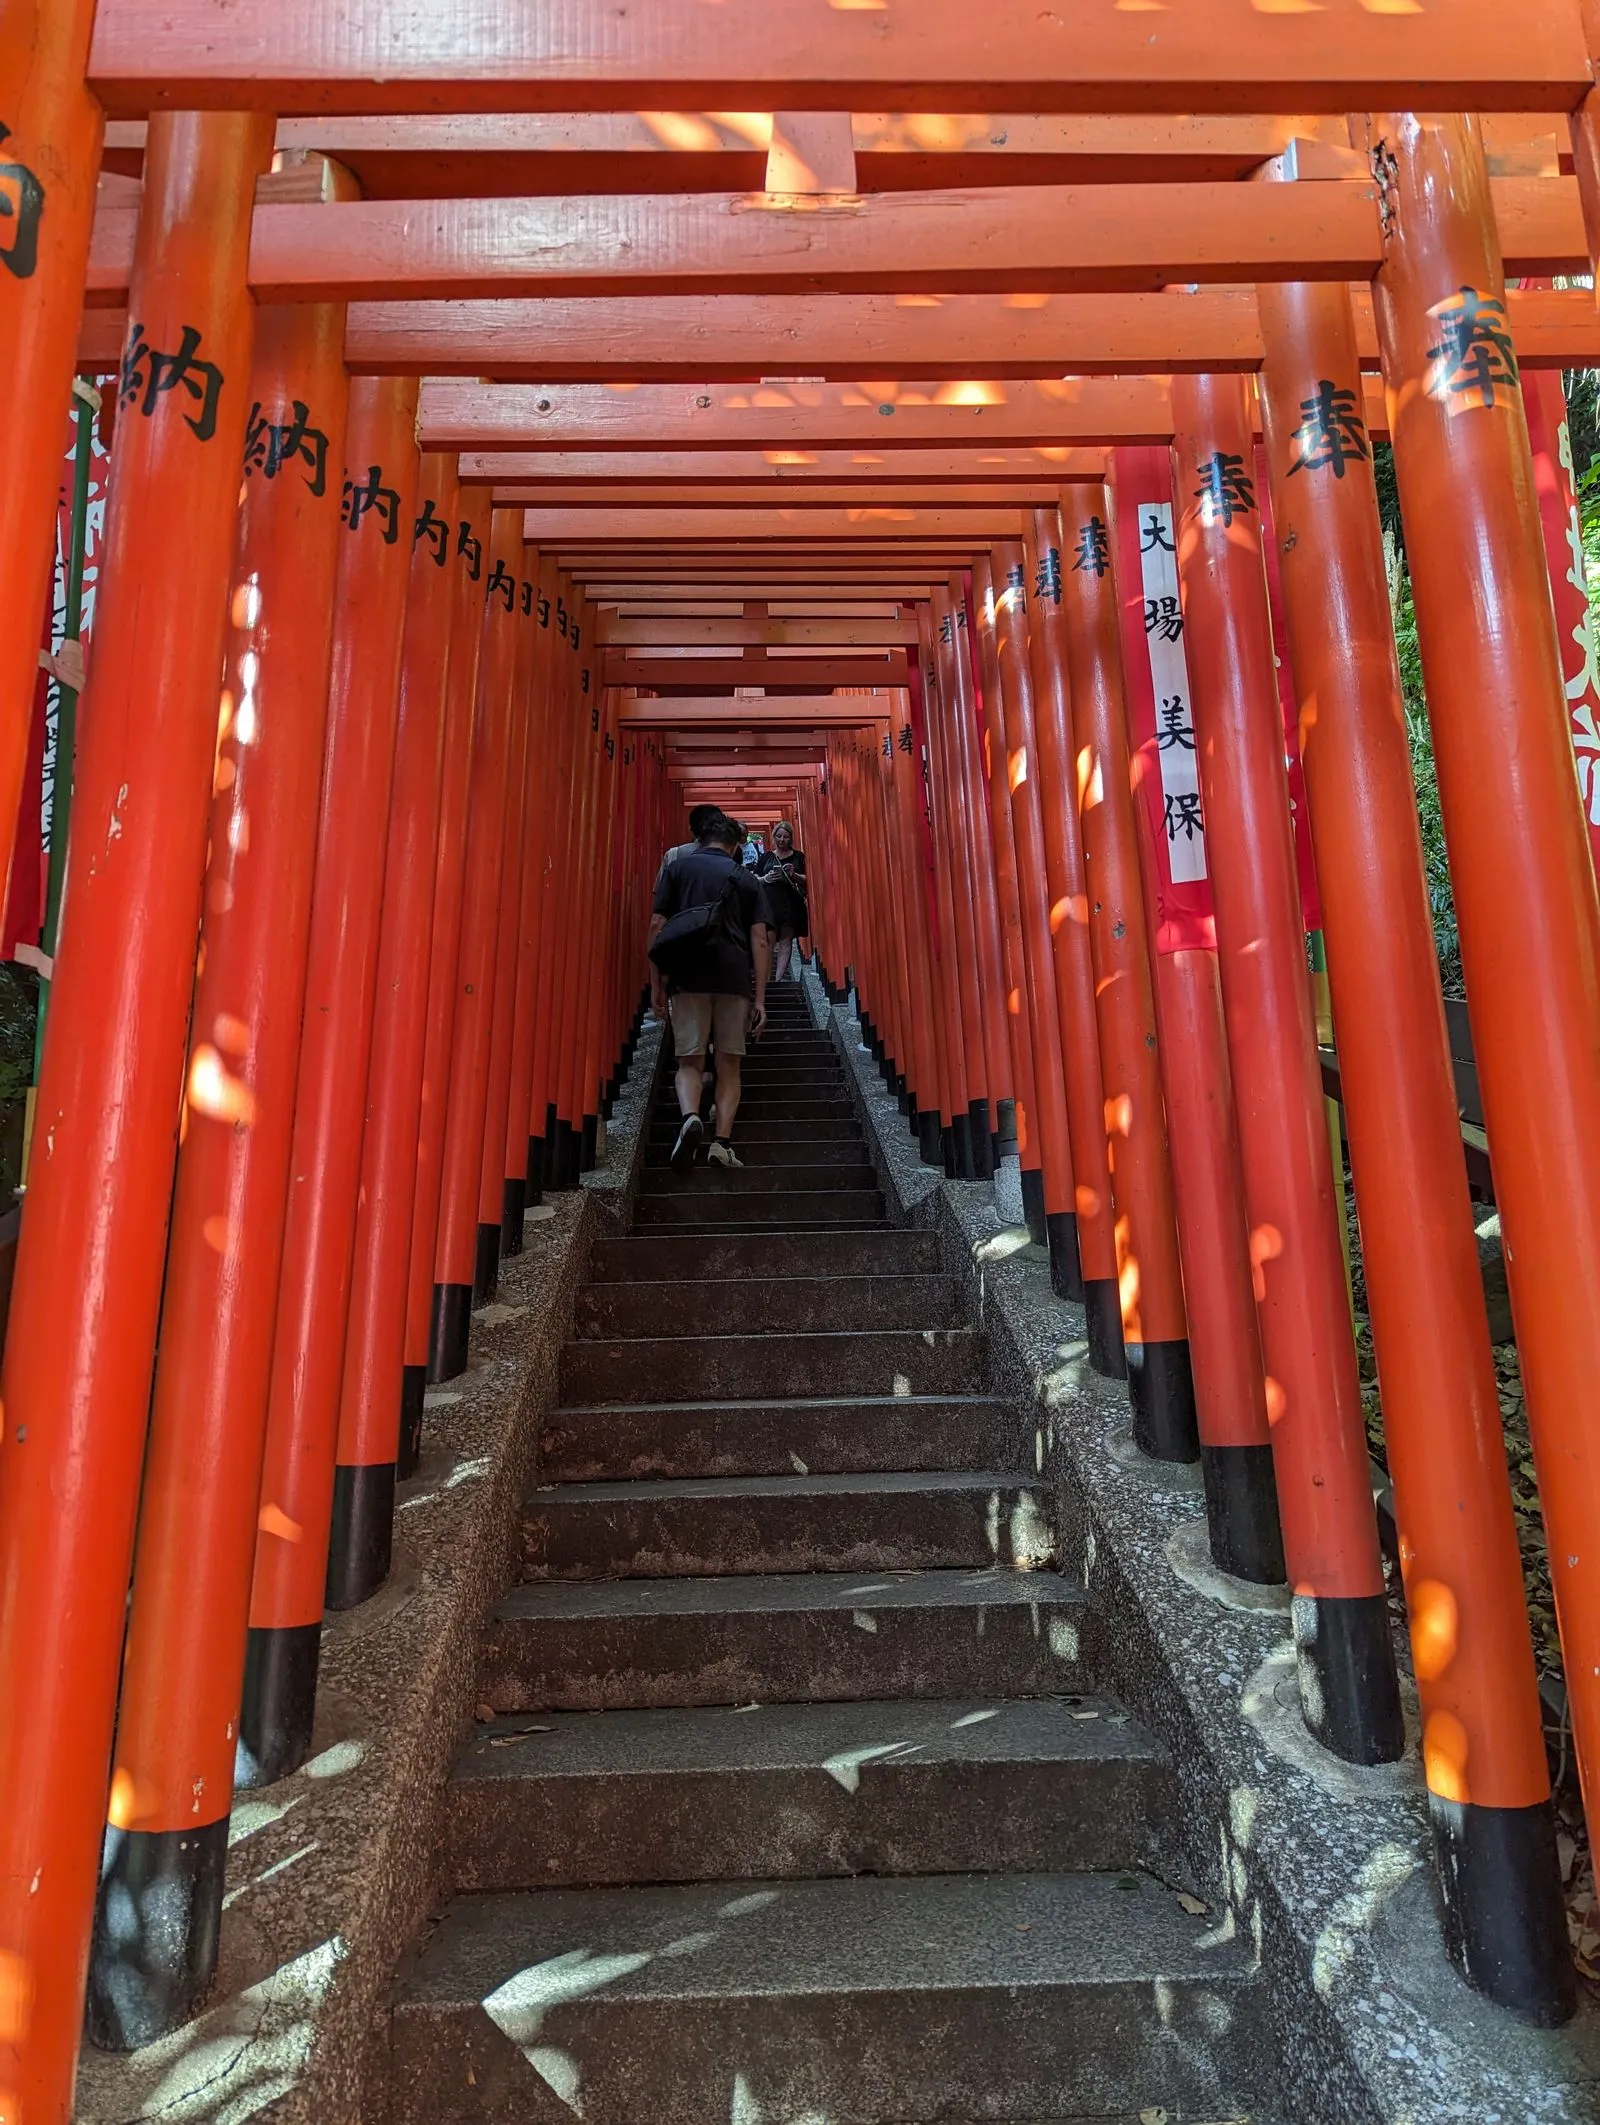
<point x="991" y="494"/>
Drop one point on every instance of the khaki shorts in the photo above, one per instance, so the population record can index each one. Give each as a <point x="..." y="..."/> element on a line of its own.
<point x="697" y="1020"/>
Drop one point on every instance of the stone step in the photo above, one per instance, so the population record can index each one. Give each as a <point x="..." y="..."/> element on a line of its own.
<point x="795" y="1208"/>
<point x="763" y="1132"/>
<point x="889" y="1251"/>
<point x="706" y="1179"/>
<point x="820" y="1436"/>
<point x="780" y="1107"/>
<point x="755" y="1302"/>
<point x="627" y="1644"/>
<point x="722" y="1526"/>
<point x="977" y="1785"/>
<point x="756" y="1151"/>
<point x="870" y="2000"/>
<point x="942" y="1361"/>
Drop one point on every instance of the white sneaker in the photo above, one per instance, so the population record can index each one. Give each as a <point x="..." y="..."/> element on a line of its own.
<point x="724" y="1155"/>
<point x="689" y="1137"/>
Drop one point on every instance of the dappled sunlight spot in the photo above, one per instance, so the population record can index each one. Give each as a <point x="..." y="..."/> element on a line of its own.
<point x="1091" y="787"/>
<point x="974" y="1719"/>
<point x="1392" y="7"/>
<point x="518" y="2007"/>
<point x="338" y="1761"/>
<point x="1266" y="1245"/>
<point x="1003" y="1245"/>
<point x="1287" y="7"/>
<point x="1128" y="1286"/>
<point x="681" y="130"/>
<point x="275" y="1521"/>
<point x="1352" y="1915"/>
<point x="1059" y="911"/>
<point x="125" y="1805"/>
<point x="1435" y="1627"/>
<point x="844" y="1767"/>
<point x="214" y="1091"/>
<point x="250" y="1815"/>
<point x="1017" y="764"/>
<point x="1277" y="1400"/>
<point x="245" y="608"/>
<point x="558" y="2069"/>
<point x="1024" y="302"/>
<point x="918" y="302"/>
<point x="1062" y="1638"/>
<point x="1086" y="1200"/>
<point x="747" y="1906"/>
<point x="1444" y="1756"/>
<point x="1119" y="1115"/>
<point x="970" y="391"/>
<point x="230" y="1033"/>
<point x="225" y="708"/>
<point x="219" y="1233"/>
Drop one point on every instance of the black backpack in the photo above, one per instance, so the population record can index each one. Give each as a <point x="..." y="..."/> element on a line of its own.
<point x="684" y="935"/>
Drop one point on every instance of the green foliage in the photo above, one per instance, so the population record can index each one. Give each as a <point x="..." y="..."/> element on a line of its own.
<point x="19" y="1012"/>
<point x="1424" y="774"/>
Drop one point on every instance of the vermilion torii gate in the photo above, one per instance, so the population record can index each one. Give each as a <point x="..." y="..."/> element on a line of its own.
<point x="453" y="636"/>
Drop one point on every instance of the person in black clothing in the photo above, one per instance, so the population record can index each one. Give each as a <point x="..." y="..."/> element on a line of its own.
<point x="782" y="870"/>
<point x="719" y="991"/>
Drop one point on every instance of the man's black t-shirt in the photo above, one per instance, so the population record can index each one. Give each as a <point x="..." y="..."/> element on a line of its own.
<point x="699" y="880"/>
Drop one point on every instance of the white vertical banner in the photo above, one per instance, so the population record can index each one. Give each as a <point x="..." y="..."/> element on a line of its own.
<point x="1182" y="817"/>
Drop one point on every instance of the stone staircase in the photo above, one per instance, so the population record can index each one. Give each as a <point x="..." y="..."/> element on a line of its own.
<point x="799" y="1805"/>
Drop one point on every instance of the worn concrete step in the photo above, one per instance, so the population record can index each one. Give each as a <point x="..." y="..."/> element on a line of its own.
<point x="846" y="1156"/>
<point x="603" y="1645"/>
<point x="762" y="1132"/>
<point x="757" y="1302"/>
<point x="870" y="2001"/>
<point x="945" y="1361"/>
<point x="979" y="1785"/>
<point x="706" y="1179"/>
<point x="826" y="1435"/>
<point x="720" y="1526"/>
<point x="889" y="1251"/>
<point x="779" y="1107"/>
<point x="795" y="1208"/>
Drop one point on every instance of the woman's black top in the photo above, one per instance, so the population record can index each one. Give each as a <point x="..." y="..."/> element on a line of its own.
<point x="784" y="878"/>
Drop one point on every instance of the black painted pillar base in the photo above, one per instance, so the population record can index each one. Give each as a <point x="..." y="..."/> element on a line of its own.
<point x="930" y="1137"/>
<point x="280" y="1704"/>
<point x="449" y="1332"/>
<point x="589" y="1147"/>
<point x="905" y="1102"/>
<point x="361" y="1540"/>
<point x="513" y="1202"/>
<point x="961" y="1145"/>
<point x="947" y="1149"/>
<point x="1242" y="1513"/>
<point x="1066" y="1265"/>
<point x="1505" y="1921"/>
<point x="982" y="1140"/>
<point x="1161" y="1389"/>
<point x="1102" y="1311"/>
<point x="1349" y="1691"/>
<point x="1033" y="1206"/>
<point x="156" y="1929"/>
<point x="413" y="1386"/>
<point x="558" y="1140"/>
<point x="486" y="1266"/>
